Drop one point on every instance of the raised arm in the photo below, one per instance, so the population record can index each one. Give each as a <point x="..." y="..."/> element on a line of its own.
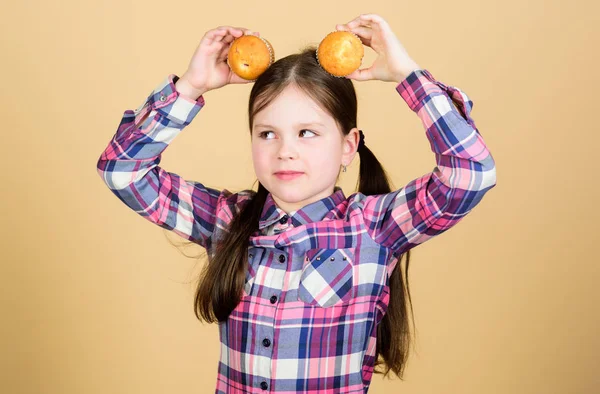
<point x="129" y="164"/>
<point x="465" y="170"/>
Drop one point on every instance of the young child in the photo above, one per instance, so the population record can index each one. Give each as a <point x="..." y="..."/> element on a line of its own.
<point x="301" y="278"/>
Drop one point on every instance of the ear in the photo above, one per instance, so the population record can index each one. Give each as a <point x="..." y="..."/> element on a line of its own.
<point x="350" y="146"/>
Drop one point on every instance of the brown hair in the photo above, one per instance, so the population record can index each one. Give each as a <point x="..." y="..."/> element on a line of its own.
<point x="214" y="301"/>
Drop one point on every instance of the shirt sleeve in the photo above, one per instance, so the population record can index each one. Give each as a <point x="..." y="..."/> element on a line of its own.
<point x="129" y="166"/>
<point x="464" y="171"/>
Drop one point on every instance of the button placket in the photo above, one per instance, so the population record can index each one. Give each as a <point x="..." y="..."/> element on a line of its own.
<point x="265" y="334"/>
<point x="266" y="352"/>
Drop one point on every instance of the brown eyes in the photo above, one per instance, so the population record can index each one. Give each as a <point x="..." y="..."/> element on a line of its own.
<point x="263" y="134"/>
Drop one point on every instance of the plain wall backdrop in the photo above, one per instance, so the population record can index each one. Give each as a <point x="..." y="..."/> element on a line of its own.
<point x="95" y="299"/>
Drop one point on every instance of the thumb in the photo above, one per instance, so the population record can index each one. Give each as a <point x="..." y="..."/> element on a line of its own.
<point x="363" y="74"/>
<point x="236" y="79"/>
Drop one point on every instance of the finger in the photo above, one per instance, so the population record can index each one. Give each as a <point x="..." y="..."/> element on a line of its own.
<point x="227" y="42"/>
<point x="241" y="30"/>
<point x="218" y="34"/>
<point x="374" y="20"/>
<point x="357" y="19"/>
<point x="235" y="31"/>
<point x="223" y="52"/>
<point x="368" y="20"/>
<point x="212" y="34"/>
<point x="237" y="79"/>
<point x="228" y="34"/>
<point x="230" y="30"/>
<point x="343" y="28"/>
<point x="228" y="39"/>
<point x="364" y="33"/>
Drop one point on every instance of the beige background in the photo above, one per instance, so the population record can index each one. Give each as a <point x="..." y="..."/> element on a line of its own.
<point x="96" y="300"/>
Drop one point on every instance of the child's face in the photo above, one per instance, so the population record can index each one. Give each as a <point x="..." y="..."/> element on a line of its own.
<point x="297" y="135"/>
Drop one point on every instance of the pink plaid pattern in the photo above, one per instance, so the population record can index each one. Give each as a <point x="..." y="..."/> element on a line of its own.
<point x="317" y="283"/>
<point x="326" y="278"/>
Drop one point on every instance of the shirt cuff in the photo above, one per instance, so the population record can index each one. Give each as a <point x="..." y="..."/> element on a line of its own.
<point x="418" y="85"/>
<point x="167" y="101"/>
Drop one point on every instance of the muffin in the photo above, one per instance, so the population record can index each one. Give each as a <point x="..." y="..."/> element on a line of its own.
<point x="249" y="56"/>
<point x="340" y="53"/>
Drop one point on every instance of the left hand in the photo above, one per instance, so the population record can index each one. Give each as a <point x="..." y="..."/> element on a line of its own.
<point x="393" y="64"/>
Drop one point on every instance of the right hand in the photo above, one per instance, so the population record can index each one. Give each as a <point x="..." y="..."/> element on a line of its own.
<point x="208" y="69"/>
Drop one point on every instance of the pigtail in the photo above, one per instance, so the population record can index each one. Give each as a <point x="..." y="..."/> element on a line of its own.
<point x="393" y="333"/>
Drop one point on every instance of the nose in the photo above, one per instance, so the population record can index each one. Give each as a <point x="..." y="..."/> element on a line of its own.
<point x="287" y="150"/>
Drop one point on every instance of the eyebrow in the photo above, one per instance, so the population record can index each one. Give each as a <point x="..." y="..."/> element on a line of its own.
<point x="299" y="125"/>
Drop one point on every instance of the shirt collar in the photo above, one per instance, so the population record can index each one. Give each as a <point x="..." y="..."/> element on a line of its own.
<point x="312" y="212"/>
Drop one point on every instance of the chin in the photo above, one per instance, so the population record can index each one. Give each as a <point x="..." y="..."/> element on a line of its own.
<point x="290" y="194"/>
<point x="295" y="192"/>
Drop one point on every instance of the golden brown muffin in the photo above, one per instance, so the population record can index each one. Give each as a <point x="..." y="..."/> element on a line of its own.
<point x="249" y="56"/>
<point x="340" y="53"/>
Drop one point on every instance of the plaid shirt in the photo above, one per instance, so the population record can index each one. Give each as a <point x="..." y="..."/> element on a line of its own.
<point x="317" y="279"/>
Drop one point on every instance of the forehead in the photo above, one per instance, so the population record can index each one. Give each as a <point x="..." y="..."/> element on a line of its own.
<point x="293" y="106"/>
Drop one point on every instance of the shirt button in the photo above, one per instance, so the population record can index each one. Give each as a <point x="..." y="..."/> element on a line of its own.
<point x="281" y="258"/>
<point x="264" y="385"/>
<point x="266" y="342"/>
<point x="273" y="299"/>
<point x="163" y="98"/>
<point x="284" y="219"/>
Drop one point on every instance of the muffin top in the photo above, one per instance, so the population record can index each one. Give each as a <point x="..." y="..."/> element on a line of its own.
<point x="340" y="53"/>
<point x="249" y="56"/>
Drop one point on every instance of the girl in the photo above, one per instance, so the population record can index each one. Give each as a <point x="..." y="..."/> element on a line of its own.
<point x="300" y="277"/>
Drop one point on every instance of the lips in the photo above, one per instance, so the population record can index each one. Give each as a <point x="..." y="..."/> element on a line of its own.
<point x="288" y="175"/>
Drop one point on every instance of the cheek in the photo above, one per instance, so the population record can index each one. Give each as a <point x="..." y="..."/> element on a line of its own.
<point x="259" y="159"/>
<point x="324" y="157"/>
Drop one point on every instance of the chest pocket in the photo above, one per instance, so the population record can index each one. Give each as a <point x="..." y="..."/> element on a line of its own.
<point x="327" y="278"/>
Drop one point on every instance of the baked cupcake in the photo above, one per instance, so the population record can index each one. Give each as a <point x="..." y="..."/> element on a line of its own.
<point x="249" y="56"/>
<point x="340" y="53"/>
